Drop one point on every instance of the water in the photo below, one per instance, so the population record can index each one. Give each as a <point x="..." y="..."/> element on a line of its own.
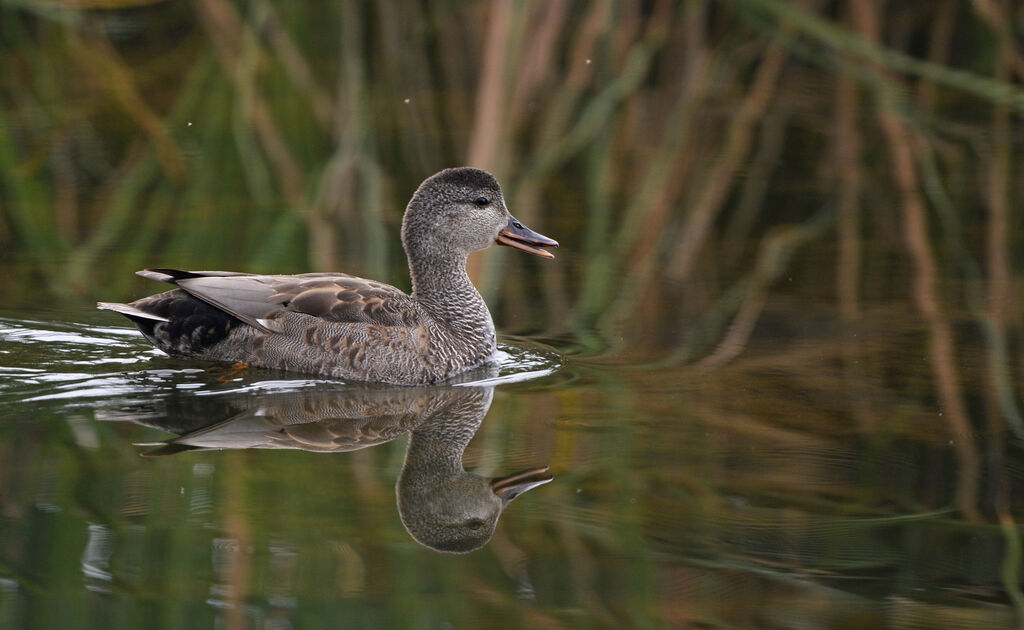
<point x="745" y="496"/>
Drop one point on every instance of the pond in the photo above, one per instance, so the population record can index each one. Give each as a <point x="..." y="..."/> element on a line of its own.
<point x="771" y="378"/>
<point x="790" y="490"/>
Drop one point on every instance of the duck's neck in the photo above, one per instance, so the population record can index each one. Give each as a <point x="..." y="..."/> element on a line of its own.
<point x="441" y="286"/>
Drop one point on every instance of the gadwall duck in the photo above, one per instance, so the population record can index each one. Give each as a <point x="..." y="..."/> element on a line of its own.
<point x="347" y="327"/>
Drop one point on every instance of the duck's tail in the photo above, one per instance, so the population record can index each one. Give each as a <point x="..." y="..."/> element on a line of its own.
<point x="130" y="311"/>
<point x="176" y="322"/>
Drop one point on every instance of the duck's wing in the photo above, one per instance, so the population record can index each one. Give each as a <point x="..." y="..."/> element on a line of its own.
<point x="261" y="300"/>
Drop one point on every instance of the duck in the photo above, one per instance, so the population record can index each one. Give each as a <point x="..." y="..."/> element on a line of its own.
<point x="343" y="326"/>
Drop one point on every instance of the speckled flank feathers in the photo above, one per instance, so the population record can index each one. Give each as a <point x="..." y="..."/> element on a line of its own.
<point x="344" y="326"/>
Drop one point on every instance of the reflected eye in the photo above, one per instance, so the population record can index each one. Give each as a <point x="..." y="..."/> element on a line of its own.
<point x="475" y="524"/>
<point x="482" y="201"/>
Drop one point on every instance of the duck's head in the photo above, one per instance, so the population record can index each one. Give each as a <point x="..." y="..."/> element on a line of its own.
<point x="462" y="210"/>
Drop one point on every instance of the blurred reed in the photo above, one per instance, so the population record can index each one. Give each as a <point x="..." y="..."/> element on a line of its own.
<point x="661" y="143"/>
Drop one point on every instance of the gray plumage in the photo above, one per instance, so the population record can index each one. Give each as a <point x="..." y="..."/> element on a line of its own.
<point x="344" y="326"/>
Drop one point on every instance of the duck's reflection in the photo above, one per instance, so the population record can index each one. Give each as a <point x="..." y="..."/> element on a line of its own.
<point x="442" y="505"/>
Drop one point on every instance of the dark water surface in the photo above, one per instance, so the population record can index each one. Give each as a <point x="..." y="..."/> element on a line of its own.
<point x="793" y="489"/>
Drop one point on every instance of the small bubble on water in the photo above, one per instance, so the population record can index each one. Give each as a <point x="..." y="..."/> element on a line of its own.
<point x="588" y="61"/>
<point x="189" y="124"/>
<point x="406" y="101"/>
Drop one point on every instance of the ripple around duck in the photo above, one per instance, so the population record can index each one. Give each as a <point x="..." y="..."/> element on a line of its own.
<point x="518" y="360"/>
<point x="86" y="365"/>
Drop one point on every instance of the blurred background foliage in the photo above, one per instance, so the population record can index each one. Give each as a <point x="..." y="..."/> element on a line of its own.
<point x="688" y="155"/>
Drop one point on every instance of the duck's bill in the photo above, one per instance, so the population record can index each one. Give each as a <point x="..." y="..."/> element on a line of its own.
<point x="517" y="235"/>
<point x="508" y="488"/>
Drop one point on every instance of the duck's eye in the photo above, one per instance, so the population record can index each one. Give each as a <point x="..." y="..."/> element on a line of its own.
<point x="482" y="201"/>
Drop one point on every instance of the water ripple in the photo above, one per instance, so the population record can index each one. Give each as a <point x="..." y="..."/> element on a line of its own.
<point x="87" y="365"/>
